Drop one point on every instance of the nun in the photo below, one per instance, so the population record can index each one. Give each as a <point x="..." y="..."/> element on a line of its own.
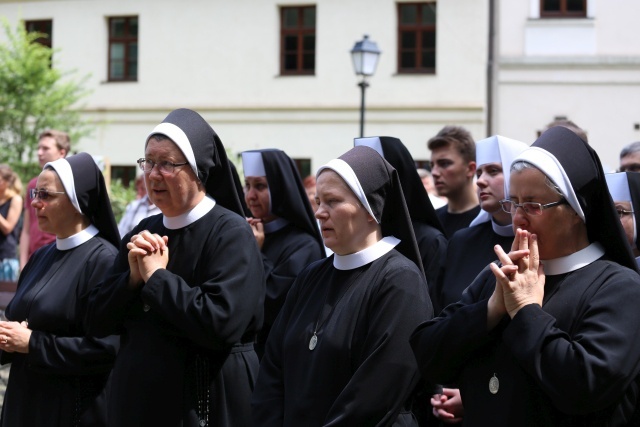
<point x="471" y="249"/>
<point x="429" y="233"/>
<point x="338" y="353"/>
<point x="624" y="188"/>
<point x="58" y="372"/>
<point x="186" y="292"/>
<point x="283" y="224"/>
<point x="551" y="336"/>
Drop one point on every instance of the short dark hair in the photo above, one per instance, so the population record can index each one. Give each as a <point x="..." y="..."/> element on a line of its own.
<point x="63" y="142"/>
<point x="459" y="138"/>
<point x="571" y="126"/>
<point x="634" y="147"/>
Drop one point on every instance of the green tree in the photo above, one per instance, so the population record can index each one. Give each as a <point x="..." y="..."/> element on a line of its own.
<point x="34" y="96"/>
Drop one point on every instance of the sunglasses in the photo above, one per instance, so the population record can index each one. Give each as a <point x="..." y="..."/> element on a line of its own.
<point x="42" y="194"/>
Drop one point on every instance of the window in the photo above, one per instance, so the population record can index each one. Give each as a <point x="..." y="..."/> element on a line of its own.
<point x="123" y="49"/>
<point x="297" y="40"/>
<point x="417" y="38"/>
<point x="44" y="26"/>
<point x="126" y="174"/>
<point x="563" y="8"/>
<point x="303" y="166"/>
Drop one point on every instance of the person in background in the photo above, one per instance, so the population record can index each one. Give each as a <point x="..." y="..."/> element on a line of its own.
<point x="58" y="372"/>
<point x="339" y="351"/>
<point x="309" y="184"/>
<point x="630" y="158"/>
<point x="10" y="210"/>
<point x="186" y="292"/>
<point x="453" y="166"/>
<point x="427" y="181"/>
<point x="551" y="336"/>
<point x="624" y="188"/>
<point x="430" y="238"/>
<point x="52" y="145"/>
<point x="471" y="249"/>
<point x="571" y="126"/>
<point x="138" y="209"/>
<point x="283" y="224"/>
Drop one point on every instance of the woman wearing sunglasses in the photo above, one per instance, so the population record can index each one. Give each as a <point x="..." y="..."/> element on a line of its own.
<point x="58" y="373"/>
<point x="551" y="337"/>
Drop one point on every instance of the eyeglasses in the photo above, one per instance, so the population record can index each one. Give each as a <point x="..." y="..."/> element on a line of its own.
<point x="623" y="212"/>
<point x="42" y="194"/>
<point x="633" y="167"/>
<point x="530" y="208"/>
<point x="164" y="167"/>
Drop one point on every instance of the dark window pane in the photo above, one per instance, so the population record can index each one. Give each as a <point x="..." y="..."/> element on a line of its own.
<point x="117" y="27"/>
<point x="408" y="40"/>
<point x="428" y="59"/>
<point x="132" y="72"/>
<point x="309" y="17"/>
<point x="408" y="14"/>
<point x="133" y="51"/>
<point x="576" y="5"/>
<point x="429" y="14"/>
<point x="309" y="42"/>
<point x="407" y="60"/>
<point x="290" y="62"/>
<point x="290" y="43"/>
<point x="551" y="5"/>
<point x="133" y="27"/>
<point x="117" y="70"/>
<point x="429" y="39"/>
<point x="290" y="17"/>
<point x="308" y="61"/>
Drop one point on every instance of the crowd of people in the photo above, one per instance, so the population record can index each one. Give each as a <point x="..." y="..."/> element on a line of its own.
<point x="344" y="299"/>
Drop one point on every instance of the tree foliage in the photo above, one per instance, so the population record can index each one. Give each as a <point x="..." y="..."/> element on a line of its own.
<point x="34" y="96"/>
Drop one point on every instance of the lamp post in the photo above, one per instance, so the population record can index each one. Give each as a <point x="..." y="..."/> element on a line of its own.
<point x="365" y="55"/>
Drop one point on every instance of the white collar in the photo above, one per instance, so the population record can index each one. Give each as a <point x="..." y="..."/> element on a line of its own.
<point x="502" y="230"/>
<point x="275" y="225"/>
<point x="201" y="209"/>
<point x="365" y="256"/>
<point x="77" y="239"/>
<point x="574" y="261"/>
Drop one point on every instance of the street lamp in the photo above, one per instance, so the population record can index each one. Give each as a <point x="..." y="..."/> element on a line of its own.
<point x="365" y="55"/>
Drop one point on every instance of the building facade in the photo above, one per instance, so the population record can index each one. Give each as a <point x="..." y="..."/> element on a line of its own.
<point x="270" y="73"/>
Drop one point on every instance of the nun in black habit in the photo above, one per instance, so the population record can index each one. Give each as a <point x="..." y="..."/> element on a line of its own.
<point x="429" y="233"/>
<point x="58" y="372"/>
<point x="552" y="336"/>
<point x="284" y="226"/>
<point x="187" y="290"/>
<point x="470" y="249"/>
<point x="624" y="188"/>
<point x="338" y="353"/>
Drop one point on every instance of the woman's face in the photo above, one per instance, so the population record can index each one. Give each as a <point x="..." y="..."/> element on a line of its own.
<point x="490" y="188"/>
<point x="559" y="229"/>
<point x="56" y="214"/>
<point x="626" y="219"/>
<point x="176" y="193"/>
<point x="344" y="222"/>
<point x="256" y="195"/>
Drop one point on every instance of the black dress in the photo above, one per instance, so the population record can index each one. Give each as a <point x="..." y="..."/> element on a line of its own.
<point x="470" y="250"/>
<point x="453" y="222"/>
<point x="572" y="362"/>
<point x="187" y="334"/>
<point x="285" y="253"/>
<point x="362" y="371"/>
<point x="61" y="381"/>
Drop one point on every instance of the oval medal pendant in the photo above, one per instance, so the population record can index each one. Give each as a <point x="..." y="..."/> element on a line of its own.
<point x="313" y="341"/>
<point x="494" y="384"/>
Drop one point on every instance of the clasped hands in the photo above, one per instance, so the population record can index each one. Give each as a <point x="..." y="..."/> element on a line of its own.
<point x="148" y="252"/>
<point x="519" y="281"/>
<point x="14" y="336"/>
<point x="257" y="226"/>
